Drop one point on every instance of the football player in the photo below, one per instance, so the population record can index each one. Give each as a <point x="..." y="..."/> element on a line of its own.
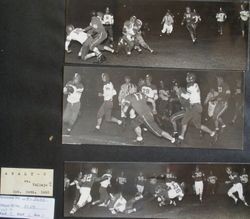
<point x="221" y="18"/>
<point x="169" y="176"/>
<point x="140" y="183"/>
<point x="211" y="102"/>
<point x="144" y="116"/>
<point x="150" y="91"/>
<point x="211" y="182"/>
<point x="234" y="180"/>
<point x="108" y="93"/>
<point x="127" y="88"/>
<point x="189" y="19"/>
<point x="86" y="184"/>
<point x="108" y="22"/>
<point x="244" y="16"/>
<point x="168" y="23"/>
<point x="77" y="183"/>
<point x="237" y="98"/>
<point x="127" y="41"/>
<point x="198" y="177"/>
<point x="104" y="195"/>
<point x="121" y="180"/>
<point x="73" y="89"/>
<point x="193" y="113"/>
<point x="197" y="19"/>
<point x="139" y="41"/>
<point x="222" y="103"/>
<point x="244" y="180"/>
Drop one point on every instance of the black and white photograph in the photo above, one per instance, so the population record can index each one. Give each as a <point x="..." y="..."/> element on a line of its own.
<point x="156" y="190"/>
<point x="158" y="33"/>
<point x="153" y="107"/>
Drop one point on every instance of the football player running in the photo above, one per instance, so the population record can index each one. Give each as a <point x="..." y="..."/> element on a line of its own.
<point x="244" y="16"/>
<point x="193" y="113"/>
<point x="168" y="23"/>
<point x="221" y="18"/>
<point x="198" y="177"/>
<point x="234" y="180"/>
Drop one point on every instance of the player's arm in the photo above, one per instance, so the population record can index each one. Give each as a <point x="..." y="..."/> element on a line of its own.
<point x="67" y="43"/>
<point x="183" y="20"/>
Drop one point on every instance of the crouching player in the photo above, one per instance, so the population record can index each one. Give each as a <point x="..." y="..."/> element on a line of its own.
<point x="144" y="116"/>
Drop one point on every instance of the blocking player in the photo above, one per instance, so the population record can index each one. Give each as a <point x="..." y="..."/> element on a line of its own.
<point x="127" y="88"/>
<point x="211" y="182"/>
<point x="144" y="116"/>
<point x="108" y="22"/>
<point x="237" y="98"/>
<point x="244" y="16"/>
<point x="108" y="93"/>
<point x="179" y="115"/>
<point x="73" y="89"/>
<point x="234" y="180"/>
<point x="198" y="177"/>
<point x="139" y="41"/>
<point x="103" y="201"/>
<point x="140" y="184"/>
<point x="150" y="91"/>
<point x="168" y="23"/>
<point x="222" y="103"/>
<point x="221" y="18"/>
<point x="193" y="113"/>
<point x="189" y="20"/>
<point x="85" y="188"/>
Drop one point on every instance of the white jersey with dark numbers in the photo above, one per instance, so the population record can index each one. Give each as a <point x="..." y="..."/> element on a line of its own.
<point x="168" y="19"/>
<point x="150" y="91"/>
<point x="108" y="19"/>
<point x="105" y="183"/>
<point x="244" y="15"/>
<point x="77" y="35"/>
<point x="193" y="94"/>
<point x="108" y="91"/>
<point x="221" y="17"/>
<point x="75" y="96"/>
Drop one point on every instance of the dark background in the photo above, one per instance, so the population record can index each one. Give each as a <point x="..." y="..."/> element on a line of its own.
<point x="31" y="66"/>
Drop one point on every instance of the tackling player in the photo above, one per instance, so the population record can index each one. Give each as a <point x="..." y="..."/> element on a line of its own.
<point x="189" y="19"/>
<point x="193" y="113"/>
<point x="168" y="23"/>
<point x="144" y="116"/>
<point x="73" y="89"/>
<point x="106" y="108"/>
<point x="198" y="177"/>
<point x="221" y="18"/>
<point x="222" y="102"/>
<point x="244" y="16"/>
<point x="234" y="179"/>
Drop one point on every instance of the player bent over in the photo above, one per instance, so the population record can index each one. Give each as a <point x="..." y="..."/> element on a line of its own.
<point x="168" y="23"/>
<point x="144" y="116"/>
<point x="189" y="19"/>
<point x="222" y="103"/>
<point x="234" y="179"/>
<point x="221" y="18"/>
<point x="198" y="177"/>
<point x="74" y="91"/>
<point x="193" y="113"/>
<point x="106" y="108"/>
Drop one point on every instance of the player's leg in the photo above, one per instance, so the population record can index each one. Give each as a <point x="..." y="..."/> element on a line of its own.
<point x="240" y="193"/>
<point x="67" y="113"/>
<point x="201" y="191"/>
<point x="84" y="192"/>
<point x="164" y="29"/>
<point x="75" y="112"/>
<point x="242" y="25"/>
<point x="95" y="43"/>
<point x="184" y="123"/>
<point x="143" y="43"/>
<point x="108" y="113"/>
<point x="106" y="48"/>
<point x="174" y="118"/>
<point x="231" y="192"/>
<point x="169" y="29"/>
<point x="237" y="111"/>
<point x="100" y="114"/>
<point x="191" y="31"/>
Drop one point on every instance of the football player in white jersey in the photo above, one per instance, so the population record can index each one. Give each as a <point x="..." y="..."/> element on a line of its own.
<point x="221" y="17"/>
<point x="193" y="113"/>
<point x="108" y="22"/>
<point x="244" y="16"/>
<point x="236" y="186"/>
<point x="168" y="23"/>
<point x="73" y="89"/>
<point x="108" y="93"/>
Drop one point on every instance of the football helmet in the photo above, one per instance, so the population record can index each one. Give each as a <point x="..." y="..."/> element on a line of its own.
<point x="94" y="170"/>
<point x="105" y="77"/>
<point x="191" y="78"/>
<point x="229" y="170"/>
<point x="77" y="77"/>
<point x="69" y="28"/>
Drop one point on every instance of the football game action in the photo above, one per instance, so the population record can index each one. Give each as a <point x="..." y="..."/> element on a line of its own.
<point x="156" y="190"/>
<point x="158" y="33"/>
<point x="153" y="107"/>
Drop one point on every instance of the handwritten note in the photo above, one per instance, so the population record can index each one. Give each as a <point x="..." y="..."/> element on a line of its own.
<point x="26" y="207"/>
<point x="28" y="182"/>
